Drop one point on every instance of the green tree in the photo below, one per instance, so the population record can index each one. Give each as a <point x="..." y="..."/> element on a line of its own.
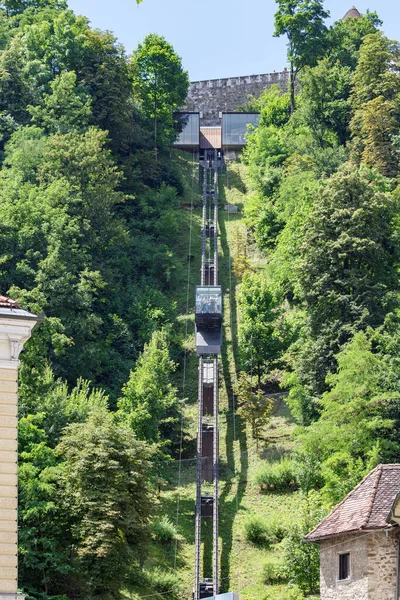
<point x="160" y="83"/>
<point x="73" y="245"/>
<point x="44" y="535"/>
<point x="106" y="483"/>
<point x="15" y="7"/>
<point x="379" y="126"/>
<point x="254" y="406"/>
<point x="348" y="271"/>
<point x="375" y="101"/>
<point x="346" y="36"/>
<point x="66" y="109"/>
<point x="302" y="560"/>
<point x="149" y="403"/>
<point x="356" y="429"/>
<point x="325" y="106"/>
<point x="302" y="21"/>
<point x="375" y="74"/>
<point x="260" y="337"/>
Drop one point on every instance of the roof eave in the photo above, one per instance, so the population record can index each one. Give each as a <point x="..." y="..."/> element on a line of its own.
<point x="322" y="538"/>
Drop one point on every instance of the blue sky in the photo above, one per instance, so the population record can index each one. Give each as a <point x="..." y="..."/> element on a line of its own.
<point x="216" y="38"/>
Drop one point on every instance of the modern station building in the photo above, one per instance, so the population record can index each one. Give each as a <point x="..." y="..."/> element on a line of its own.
<point x="229" y="135"/>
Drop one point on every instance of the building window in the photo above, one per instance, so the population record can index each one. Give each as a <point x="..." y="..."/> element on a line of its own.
<point x="344" y="566"/>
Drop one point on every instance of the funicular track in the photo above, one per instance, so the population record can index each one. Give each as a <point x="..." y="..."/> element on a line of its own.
<point x="208" y="348"/>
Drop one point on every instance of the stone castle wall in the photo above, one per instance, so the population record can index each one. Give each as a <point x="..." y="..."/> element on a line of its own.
<point x="210" y="97"/>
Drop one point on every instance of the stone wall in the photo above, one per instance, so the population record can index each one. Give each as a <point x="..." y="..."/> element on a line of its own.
<point x="373" y="558"/>
<point x="213" y="96"/>
<point x="382" y="558"/>
<point x="355" y="588"/>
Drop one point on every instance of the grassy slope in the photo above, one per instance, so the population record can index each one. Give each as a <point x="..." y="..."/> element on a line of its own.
<point x="241" y="562"/>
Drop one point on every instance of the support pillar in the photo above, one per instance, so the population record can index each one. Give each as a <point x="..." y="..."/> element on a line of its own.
<point x="15" y="329"/>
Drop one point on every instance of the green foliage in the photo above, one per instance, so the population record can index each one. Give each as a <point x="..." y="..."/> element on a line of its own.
<point x="264" y="532"/>
<point x="149" y="403"/>
<point x="373" y="75"/>
<point x="302" y="560"/>
<point x="105" y="478"/>
<point x="65" y="110"/>
<point x="273" y="106"/>
<point x="277" y="476"/>
<point x="256" y="531"/>
<point x="376" y="102"/>
<point x="160" y="84"/>
<point x="302" y="21"/>
<point x="346" y="36"/>
<point x="356" y="428"/>
<point x="348" y="267"/>
<point x="325" y="105"/>
<point x="165" y="531"/>
<point x="89" y="224"/>
<point x="260" y="337"/>
<point x="274" y="573"/>
<point x="164" y="582"/>
<point x="328" y="230"/>
<point x="254" y="406"/>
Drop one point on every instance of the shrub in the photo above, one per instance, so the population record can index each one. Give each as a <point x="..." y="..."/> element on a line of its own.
<point x="165" y="531"/>
<point x="165" y="582"/>
<point x="276" y="530"/>
<point x="302" y="560"/>
<point x="256" y="531"/>
<point x="278" y="476"/>
<point x="274" y="573"/>
<point x="263" y="532"/>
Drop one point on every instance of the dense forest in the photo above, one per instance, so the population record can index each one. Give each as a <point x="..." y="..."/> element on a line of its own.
<point x="89" y="198"/>
<point x="90" y="216"/>
<point x="324" y="209"/>
<point x="320" y="317"/>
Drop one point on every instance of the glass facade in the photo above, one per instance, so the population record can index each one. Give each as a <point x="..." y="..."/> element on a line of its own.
<point x="234" y="127"/>
<point x="229" y="596"/>
<point x="208" y="300"/>
<point x="189" y="126"/>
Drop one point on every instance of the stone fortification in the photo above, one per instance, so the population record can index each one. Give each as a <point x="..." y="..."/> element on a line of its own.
<point x="212" y="96"/>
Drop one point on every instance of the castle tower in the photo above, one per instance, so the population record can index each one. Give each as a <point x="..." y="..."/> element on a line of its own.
<point x="16" y="327"/>
<point x="353" y="13"/>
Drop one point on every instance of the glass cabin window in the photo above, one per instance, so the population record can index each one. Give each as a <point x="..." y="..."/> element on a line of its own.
<point x="234" y="127"/>
<point x="344" y="566"/>
<point x="208" y="300"/>
<point x="189" y="126"/>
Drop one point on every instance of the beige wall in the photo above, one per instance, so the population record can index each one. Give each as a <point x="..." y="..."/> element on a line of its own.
<point x="8" y="481"/>
<point x="373" y="559"/>
<point x="15" y="329"/>
<point x="356" y="588"/>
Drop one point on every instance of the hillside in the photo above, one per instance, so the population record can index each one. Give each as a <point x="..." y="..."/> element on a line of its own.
<point x="101" y="235"/>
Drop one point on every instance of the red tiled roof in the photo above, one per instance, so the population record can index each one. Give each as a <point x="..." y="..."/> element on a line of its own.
<point x="353" y="13"/>
<point x="7" y="302"/>
<point x="366" y="507"/>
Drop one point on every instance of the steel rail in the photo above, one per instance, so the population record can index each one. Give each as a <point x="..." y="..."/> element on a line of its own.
<point x="198" y="485"/>
<point x="216" y="481"/>
<point x="210" y="189"/>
